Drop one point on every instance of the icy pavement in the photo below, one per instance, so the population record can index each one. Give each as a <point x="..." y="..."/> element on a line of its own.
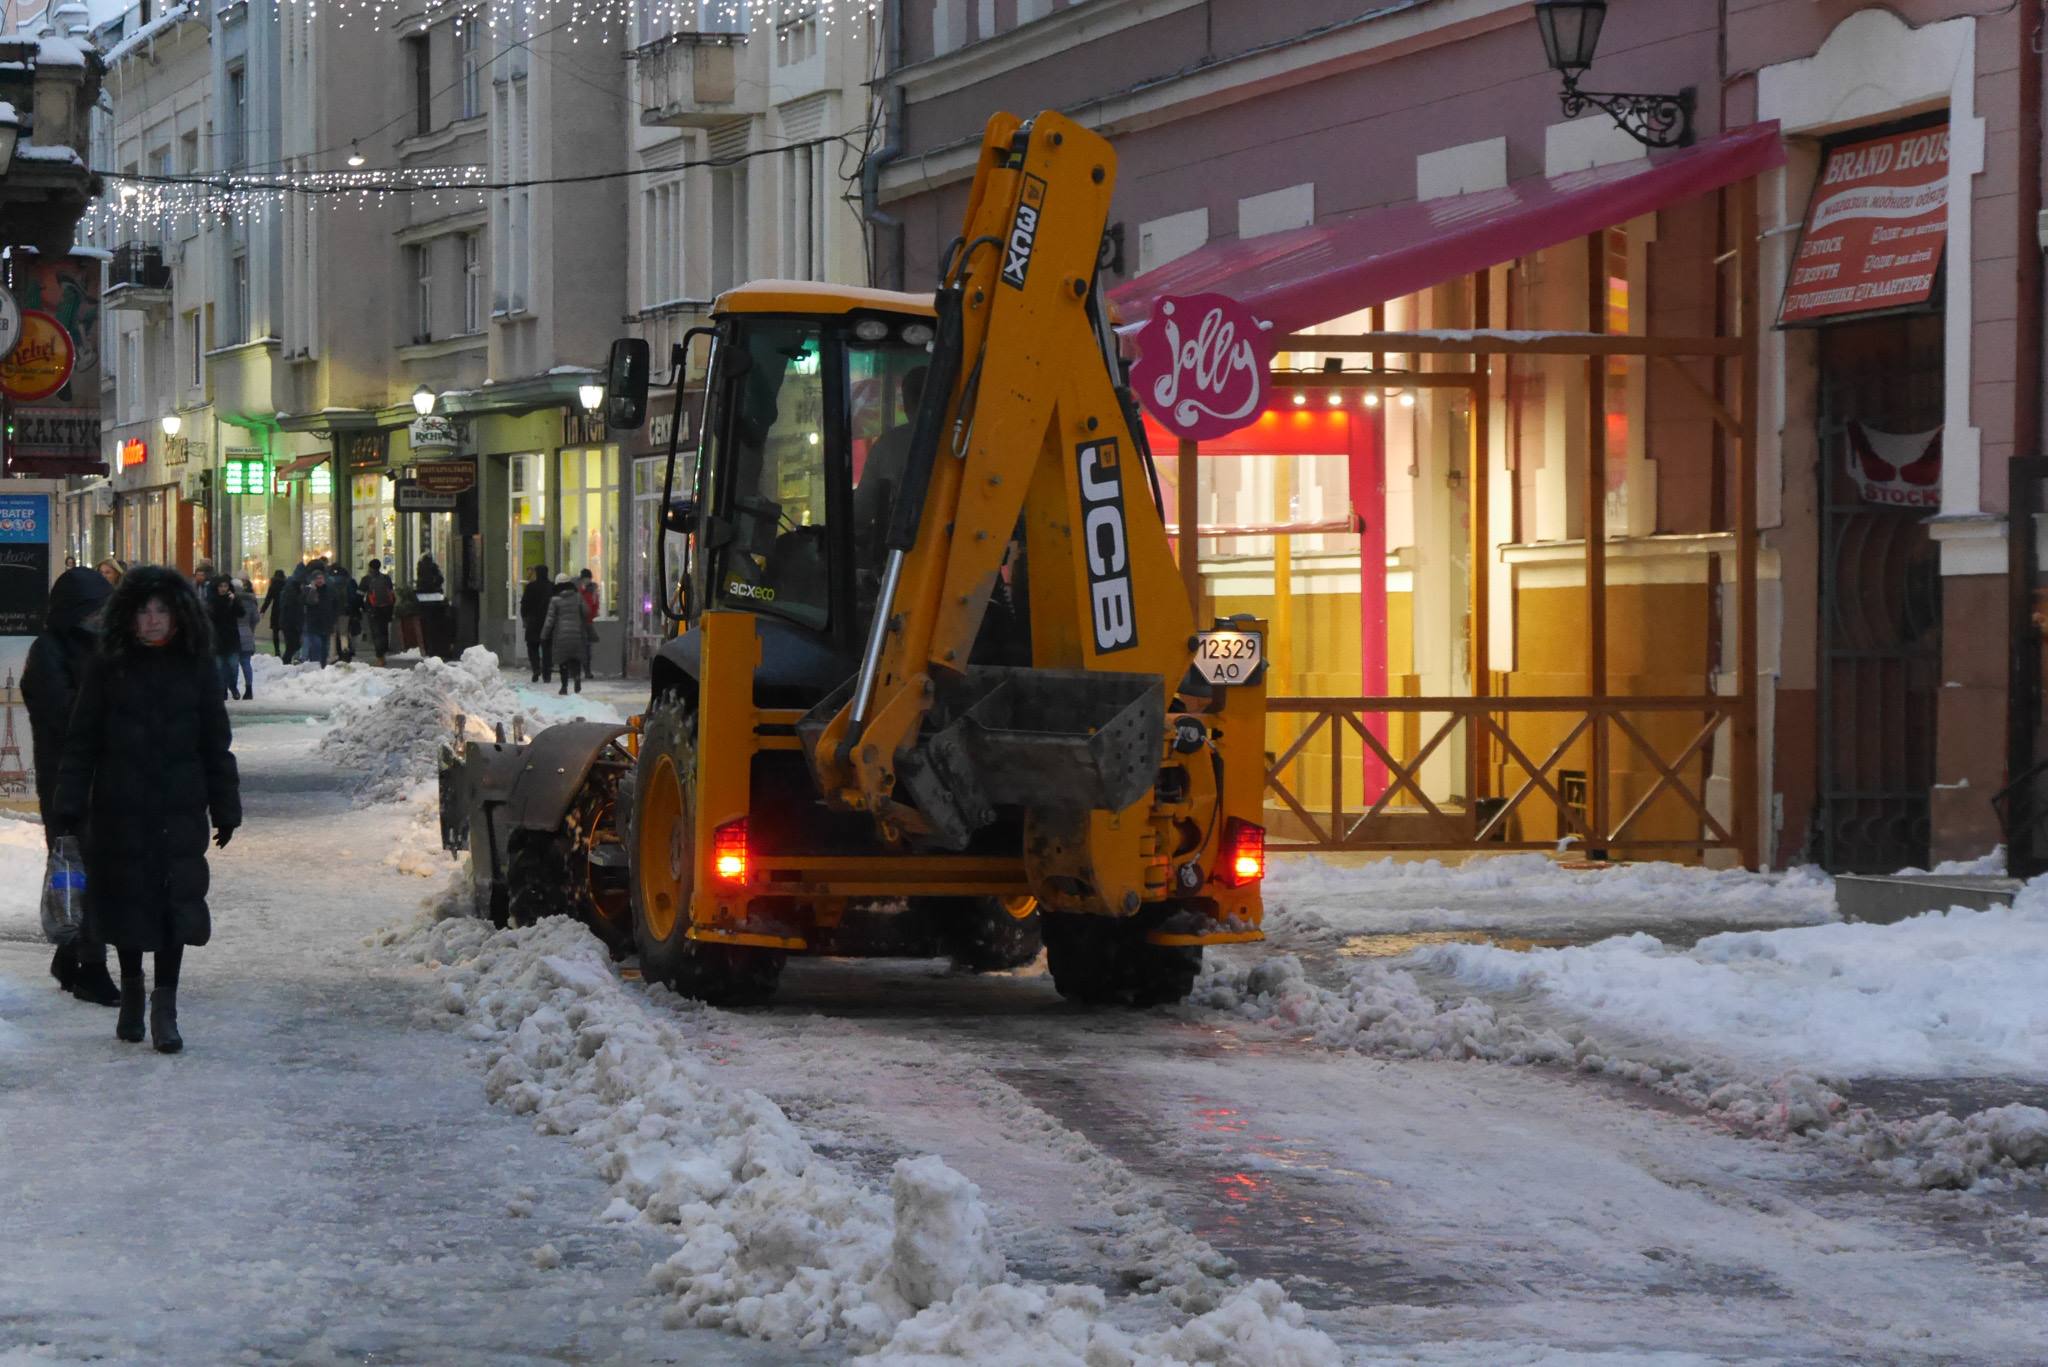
<point x="513" y="1151"/>
<point x="317" y="1179"/>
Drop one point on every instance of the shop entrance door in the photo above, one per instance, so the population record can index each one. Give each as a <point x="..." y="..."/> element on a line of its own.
<point x="1880" y="592"/>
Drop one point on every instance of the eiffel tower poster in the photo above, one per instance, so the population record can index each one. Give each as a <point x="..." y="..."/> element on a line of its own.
<point x="17" y="775"/>
<point x="17" y="779"/>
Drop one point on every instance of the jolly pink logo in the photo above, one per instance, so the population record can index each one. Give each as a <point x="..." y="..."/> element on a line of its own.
<point x="1202" y="365"/>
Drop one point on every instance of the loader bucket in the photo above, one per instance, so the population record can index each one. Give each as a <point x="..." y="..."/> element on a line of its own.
<point x="1038" y="739"/>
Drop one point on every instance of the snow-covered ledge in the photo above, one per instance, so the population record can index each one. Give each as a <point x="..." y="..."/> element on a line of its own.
<point x="1971" y="543"/>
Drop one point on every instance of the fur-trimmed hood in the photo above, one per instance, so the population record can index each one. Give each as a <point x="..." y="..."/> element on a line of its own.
<point x="137" y="587"/>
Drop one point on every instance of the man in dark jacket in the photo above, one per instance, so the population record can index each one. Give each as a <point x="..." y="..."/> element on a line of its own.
<point x="322" y="603"/>
<point x="348" y="617"/>
<point x="533" y="615"/>
<point x="224" y="615"/>
<point x="380" y="597"/>
<point x="291" y="611"/>
<point x="49" y="685"/>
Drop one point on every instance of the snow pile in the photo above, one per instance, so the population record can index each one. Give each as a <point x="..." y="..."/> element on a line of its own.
<point x="1946" y="994"/>
<point x="775" y="1241"/>
<point x="1380" y="1010"/>
<point x="1386" y="1011"/>
<point x="391" y="742"/>
<point x="1310" y="899"/>
<point x="308" y="687"/>
<point x="1062" y="1326"/>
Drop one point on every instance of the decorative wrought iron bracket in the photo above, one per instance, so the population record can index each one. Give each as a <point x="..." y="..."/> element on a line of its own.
<point x="1652" y="120"/>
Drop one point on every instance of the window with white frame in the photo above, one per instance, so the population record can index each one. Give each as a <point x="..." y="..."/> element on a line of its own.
<point x="728" y="227"/>
<point x="238" y="298"/>
<point x="724" y="16"/>
<point x="661" y="244"/>
<point x="235" y="130"/>
<point x="511" y="225"/>
<point x="423" y="292"/>
<point x="130" y="378"/>
<point x="803" y="213"/>
<point x="796" y="33"/>
<point x="469" y="44"/>
<point x="472" y="283"/>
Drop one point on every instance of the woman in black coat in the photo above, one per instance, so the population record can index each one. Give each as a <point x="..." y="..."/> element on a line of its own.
<point x="49" y="685"/>
<point x="273" y="608"/>
<point x="147" y="758"/>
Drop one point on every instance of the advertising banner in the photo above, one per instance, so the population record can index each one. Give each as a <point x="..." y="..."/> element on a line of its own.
<point x="26" y="527"/>
<point x="456" y="476"/>
<point x="52" y="378"/>
<point x="1875" y="229"/>
<point x="1896" y="469"/>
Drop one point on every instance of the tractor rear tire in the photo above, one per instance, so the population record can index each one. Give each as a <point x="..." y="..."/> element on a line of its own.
<point x="664" y="871"/>
<point x="1106" y="961"/>
<point x="985" y="934"/>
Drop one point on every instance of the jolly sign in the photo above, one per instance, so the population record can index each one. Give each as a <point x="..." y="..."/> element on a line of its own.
<point x="1202" y="367"/>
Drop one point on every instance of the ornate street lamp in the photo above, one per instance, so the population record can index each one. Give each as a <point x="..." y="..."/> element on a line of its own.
<point x="591" y="396"/>
<point x="171" y="423"/>
<point x="1571" y="35"/>
<point x="423" y="401"/>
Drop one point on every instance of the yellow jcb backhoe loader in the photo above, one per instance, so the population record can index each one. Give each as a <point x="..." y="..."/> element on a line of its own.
<point x="935" y="684"/>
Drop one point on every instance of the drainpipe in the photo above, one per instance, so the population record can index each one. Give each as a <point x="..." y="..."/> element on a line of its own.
<point x="2023" y="688"/>
<point x="871" y="173"/>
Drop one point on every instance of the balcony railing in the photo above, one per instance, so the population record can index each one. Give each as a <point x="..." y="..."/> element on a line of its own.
<point x="138" y="278"/>
<point x="692" y="80"/>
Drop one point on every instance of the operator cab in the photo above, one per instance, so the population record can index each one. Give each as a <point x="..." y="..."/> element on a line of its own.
<point x="803" y="437"/>
<point x="807" y="425"/>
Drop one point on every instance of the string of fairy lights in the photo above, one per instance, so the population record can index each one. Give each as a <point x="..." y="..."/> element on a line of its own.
<point x="132" y="201"/>
<point x="138" y="202"/>
<point x="647" y="17"/>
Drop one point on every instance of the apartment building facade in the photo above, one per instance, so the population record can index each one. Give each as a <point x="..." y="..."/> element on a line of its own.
<point x="1350" y="143"/>
<point x="745" y="125"/>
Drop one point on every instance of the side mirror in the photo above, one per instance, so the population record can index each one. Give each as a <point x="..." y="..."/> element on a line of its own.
<point x="625" y="385"/>
<point x="680" y="516"/>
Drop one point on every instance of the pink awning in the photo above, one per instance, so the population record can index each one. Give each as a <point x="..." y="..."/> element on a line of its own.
<point x="1310" y="275"/>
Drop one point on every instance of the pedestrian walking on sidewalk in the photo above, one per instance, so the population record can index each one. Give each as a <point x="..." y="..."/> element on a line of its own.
<point x="224" y="615"/>
<point x="380" y="599"/>
<point x="320" y="604"/>
<point x="147" y="761"/>
<point x="291" y="610"/>
<point x="533" y="615"/>
<point x="273" y="608"/>
<point x="50" y="678"/>
<point x="586" y="584"/>
<point x="245" y="634"/>
<point x="568" y="632"/>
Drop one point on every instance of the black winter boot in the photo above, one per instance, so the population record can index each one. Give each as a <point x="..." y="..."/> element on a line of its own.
<point x="163" y="1021"/>
<point x="64" y="968"/>
<point x="93" y="983"/>
<point x="129" y="1026"/>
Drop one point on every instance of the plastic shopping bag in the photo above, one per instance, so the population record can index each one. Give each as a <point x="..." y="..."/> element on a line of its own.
<point x="64" y="892"/>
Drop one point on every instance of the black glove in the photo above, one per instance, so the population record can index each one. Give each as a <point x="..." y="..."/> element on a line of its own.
<point x="222" y="836"/>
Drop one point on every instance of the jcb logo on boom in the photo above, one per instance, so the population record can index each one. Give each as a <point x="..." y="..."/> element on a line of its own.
<point x="1023" y="233"/>
<point x="1107" y="547"/>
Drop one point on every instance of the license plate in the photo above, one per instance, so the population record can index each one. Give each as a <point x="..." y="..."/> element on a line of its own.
<point x="1228" y="657"/>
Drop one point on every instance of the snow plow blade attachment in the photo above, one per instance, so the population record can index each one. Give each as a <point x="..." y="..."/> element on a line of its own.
<point x="1042" y="740"/>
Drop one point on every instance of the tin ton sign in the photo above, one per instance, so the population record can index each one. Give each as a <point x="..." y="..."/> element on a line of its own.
<point x="1202" y="365"/>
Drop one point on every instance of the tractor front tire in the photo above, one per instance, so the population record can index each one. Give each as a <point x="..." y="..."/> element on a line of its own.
<point x="664" y="872"/>
<point x="1106" y="961"/>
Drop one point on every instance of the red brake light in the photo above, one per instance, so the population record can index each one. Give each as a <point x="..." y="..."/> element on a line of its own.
<point x="1244" y="853"/>
<point x="729" y="852"/>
